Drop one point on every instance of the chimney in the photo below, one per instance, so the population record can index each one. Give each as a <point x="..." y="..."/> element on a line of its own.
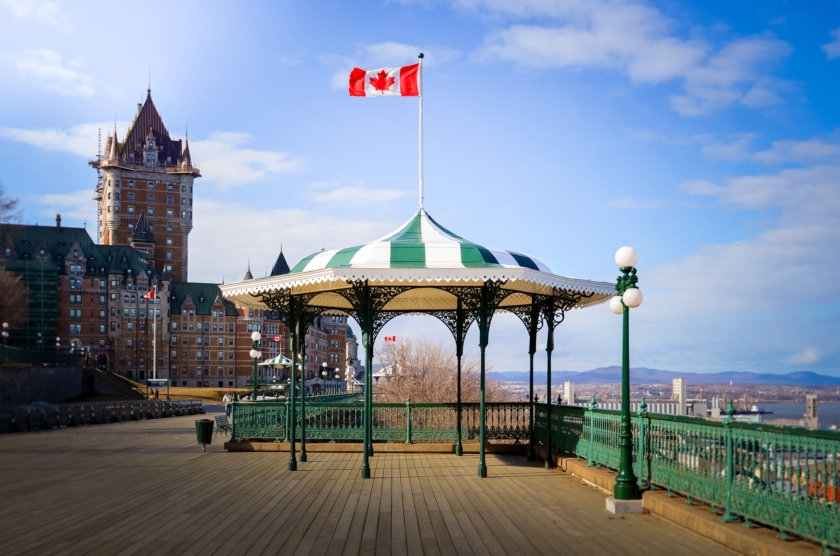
<point x="58" y="223"/>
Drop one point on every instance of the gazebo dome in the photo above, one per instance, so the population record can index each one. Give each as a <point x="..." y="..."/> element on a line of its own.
<point x="419" y="243"/>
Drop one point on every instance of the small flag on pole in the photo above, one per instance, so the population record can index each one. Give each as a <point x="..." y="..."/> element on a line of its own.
<point x="388" y="82"/>
<point x="150" y="295"/>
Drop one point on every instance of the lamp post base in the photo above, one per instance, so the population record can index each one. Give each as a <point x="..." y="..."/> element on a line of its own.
<point x="624" y="506"/>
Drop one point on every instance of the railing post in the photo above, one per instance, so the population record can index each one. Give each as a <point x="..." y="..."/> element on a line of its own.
<point x="287" y="418"/>
<point x="644" y="426"/>
<point x="728" y="516"/>
<point x="590" y="462"/>
<point x="408" y="421"/>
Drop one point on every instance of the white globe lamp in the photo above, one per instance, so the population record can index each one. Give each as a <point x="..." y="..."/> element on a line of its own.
<point x="615" y="305"/>
<point x="633" y="297"/>
<point x="626" y="256"/>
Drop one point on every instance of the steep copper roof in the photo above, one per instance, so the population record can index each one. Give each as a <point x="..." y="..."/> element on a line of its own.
<point x="148" y="124"/>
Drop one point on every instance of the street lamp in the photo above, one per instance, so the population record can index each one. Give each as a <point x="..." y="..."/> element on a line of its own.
<point x="5" y="333"/>
<point x="255" y="337"/>
<point x="57" y="343"/>
<point x="39" y="339"/>
<point x="324" y="371"/>
<point x="627" y="296"/>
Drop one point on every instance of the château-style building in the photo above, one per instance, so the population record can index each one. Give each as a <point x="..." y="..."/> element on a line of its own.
<point x="96" y="295"/>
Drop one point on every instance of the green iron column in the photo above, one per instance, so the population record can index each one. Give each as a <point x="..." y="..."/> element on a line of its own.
<point x="549" y="347"/>
<point x="365" y="314"/>
<point x="484" y="334"/>
<point x="302" y="358"/>
<point x="293" y="328"/>
<point x="459" y="351"/>
<point x="532" y="349"/>
<point x="626" y="483"/>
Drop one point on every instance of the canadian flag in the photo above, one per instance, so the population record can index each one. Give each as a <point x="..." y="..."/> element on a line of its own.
<point x="276" y="338"/>
<point x="388" y="82"/>
<point x="150" y="295"/>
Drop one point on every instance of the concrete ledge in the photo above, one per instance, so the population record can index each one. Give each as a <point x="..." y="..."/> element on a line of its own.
<point x="698" y="518"/>
<point x="695" y="517"/>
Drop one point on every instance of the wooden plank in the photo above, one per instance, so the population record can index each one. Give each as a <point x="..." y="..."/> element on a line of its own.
<point x="146" y="487"/>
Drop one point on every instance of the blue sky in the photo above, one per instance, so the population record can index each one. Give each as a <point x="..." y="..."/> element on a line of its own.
<point x="704" y="134"/>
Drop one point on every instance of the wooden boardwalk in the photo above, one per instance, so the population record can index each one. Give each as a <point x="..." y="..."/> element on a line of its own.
<point x="146" y="487"/>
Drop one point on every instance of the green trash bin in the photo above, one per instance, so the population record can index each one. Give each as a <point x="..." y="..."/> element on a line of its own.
<point x="204" y="432"/>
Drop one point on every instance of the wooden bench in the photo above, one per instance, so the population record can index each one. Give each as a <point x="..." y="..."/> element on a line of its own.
<point x="222" y="425"/>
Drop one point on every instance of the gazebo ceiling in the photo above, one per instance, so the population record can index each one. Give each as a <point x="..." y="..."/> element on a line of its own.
<point x="428" y="258"/>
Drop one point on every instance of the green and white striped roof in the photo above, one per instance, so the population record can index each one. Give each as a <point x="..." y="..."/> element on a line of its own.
<point x="419" y="243"/>
<point x="424" y="256"/>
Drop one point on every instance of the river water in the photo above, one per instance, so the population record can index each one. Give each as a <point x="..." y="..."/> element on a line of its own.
<point x="829" y="413"/>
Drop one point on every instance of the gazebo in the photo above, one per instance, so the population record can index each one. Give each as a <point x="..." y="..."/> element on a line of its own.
<point x="421" y="268"/>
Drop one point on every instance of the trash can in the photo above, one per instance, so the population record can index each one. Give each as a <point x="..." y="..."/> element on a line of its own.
<point x="204" y="432"/>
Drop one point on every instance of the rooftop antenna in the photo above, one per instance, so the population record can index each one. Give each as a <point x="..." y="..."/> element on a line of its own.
<point x="149" y="89"/>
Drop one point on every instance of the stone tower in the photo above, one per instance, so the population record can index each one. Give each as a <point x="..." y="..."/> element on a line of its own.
<point x="149" y="175"/>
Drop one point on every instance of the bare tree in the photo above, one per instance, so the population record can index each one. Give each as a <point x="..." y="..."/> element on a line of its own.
<point x="9" y="209"/>
<point x="14" y="299"/>
<point x="428" y="372"/>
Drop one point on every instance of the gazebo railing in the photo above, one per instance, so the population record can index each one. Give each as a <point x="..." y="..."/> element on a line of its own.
<point x="430" y="422"/>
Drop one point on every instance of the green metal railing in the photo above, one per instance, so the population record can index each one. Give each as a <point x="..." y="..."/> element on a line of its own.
<point x="785" y="478"/>
<point x="429" y="422"/>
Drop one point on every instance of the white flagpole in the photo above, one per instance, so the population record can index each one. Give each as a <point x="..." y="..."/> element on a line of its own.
<point x="420" y="87"/>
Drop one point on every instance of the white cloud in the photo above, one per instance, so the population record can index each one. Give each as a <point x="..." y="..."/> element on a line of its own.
<point x="832" y="49"/>
<point x="75" y="205"/>
<point x="813" y="150"/>
<point x="638" y="40"/>
<point x="45" y="11"/>
<point x="223" y="160"/>
<point x="359" y="195"/>
<point x="227" y="235"/>
<point x="80" y="140"/>
<point x="808" y="355"/>
<point x="48" y="70"/>
<point x="739" y="148"/>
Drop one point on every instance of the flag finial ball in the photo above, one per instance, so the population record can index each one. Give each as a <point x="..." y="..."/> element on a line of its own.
<point x="626" y="256"/>
<point x="420" y="55"/>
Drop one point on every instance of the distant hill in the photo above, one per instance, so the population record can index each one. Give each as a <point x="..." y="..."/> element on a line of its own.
<point x="643" y="375"/>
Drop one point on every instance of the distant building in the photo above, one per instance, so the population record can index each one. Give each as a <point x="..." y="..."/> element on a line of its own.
<point x="678" y="394"/>
<point x="568" y="392"/>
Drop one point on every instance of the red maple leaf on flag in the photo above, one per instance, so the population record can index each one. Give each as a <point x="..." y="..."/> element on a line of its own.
<point x="382" y="81"/>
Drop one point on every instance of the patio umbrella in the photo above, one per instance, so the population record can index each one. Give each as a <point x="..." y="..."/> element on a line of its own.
<point x="278" y="362"/>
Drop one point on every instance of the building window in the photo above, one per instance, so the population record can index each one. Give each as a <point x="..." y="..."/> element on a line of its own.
<point x="169" y="241"/>
<point x="183" y="189"/>
<point x="131" y="196"/>
<point x="170" y="200"/>
<point x="130" y="210"/>
<point x="131" y="184"/>
<point x="151" y="185"/>
<point x="151" y="198"/>
<point x="183" y="201"/>
<point x="170" y="213"/>
<point x="151" y="211"/>
<point x="169" y="186"/>
<point x="150" y="157"/>
<point x="169" y="268"/>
